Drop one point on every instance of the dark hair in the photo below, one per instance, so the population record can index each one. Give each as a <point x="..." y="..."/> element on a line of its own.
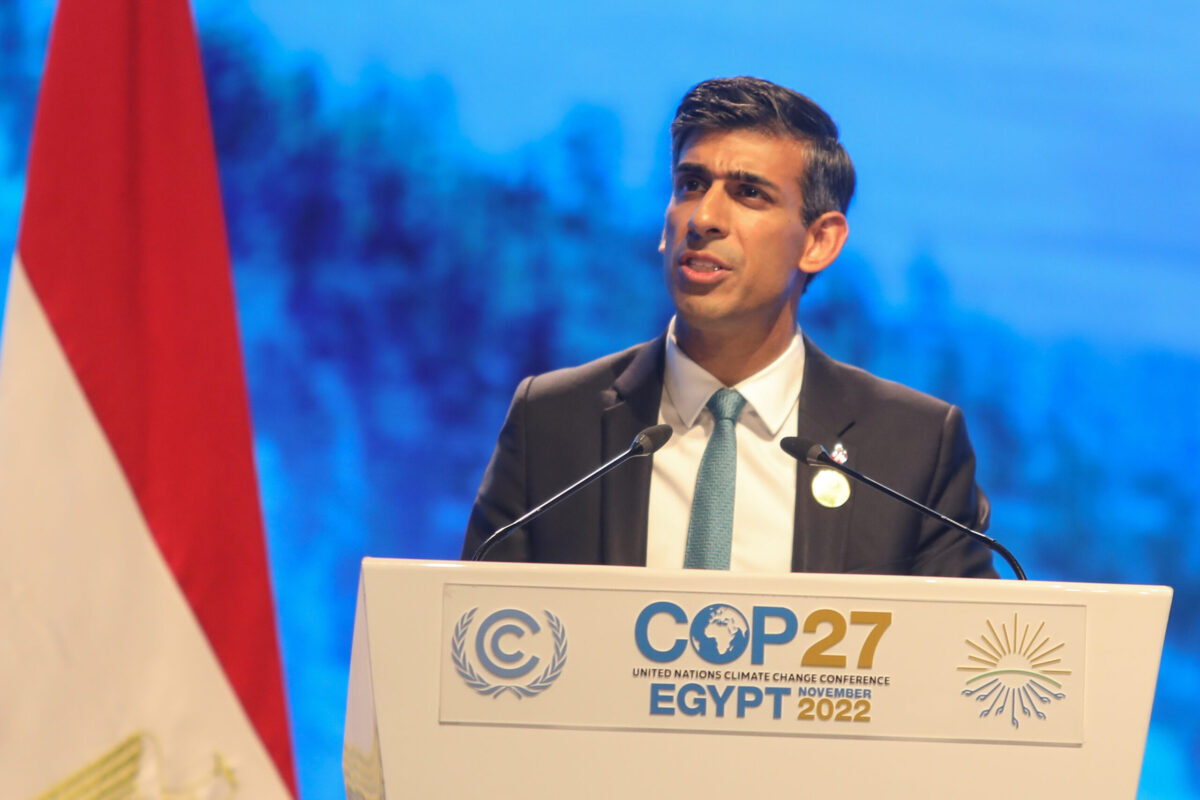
<point x="744" y="103"/>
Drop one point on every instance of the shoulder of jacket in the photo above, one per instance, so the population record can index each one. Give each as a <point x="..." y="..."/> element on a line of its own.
<point x="869" y="394"/>
<point x="595" y="375"/>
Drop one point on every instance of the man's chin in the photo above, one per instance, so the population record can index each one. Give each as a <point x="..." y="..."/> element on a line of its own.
<point x="700" y="301"/>
<point x="702" y="317"/>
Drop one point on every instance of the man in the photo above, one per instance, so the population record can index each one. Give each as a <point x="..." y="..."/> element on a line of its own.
<point x="760" y="190"/>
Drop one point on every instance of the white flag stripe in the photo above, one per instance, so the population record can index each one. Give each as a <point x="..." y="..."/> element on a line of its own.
<point x="98" y="641"/>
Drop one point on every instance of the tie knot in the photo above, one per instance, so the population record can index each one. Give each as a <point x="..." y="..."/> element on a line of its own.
<point x="726" y="404"/>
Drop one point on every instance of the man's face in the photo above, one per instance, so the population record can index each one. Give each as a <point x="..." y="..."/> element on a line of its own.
<point x="734" y="237"/>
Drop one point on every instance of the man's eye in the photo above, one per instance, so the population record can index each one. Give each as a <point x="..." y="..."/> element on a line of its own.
<point x="689" y="185"/>
<point x="750" y="190"/>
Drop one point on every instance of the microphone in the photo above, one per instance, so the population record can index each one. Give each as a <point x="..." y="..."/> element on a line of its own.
<point x="816" y="455"/>
<point x="645" y="443"/>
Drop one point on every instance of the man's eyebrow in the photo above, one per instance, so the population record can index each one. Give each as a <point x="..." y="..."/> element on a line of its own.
<point x="691" y="168"/>
<point x="742" y="176"/>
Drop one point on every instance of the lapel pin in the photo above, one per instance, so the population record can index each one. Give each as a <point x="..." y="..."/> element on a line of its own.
<point x="829" y="487"/>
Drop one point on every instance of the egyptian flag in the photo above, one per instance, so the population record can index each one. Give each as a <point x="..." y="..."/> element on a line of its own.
<point x="138" y="650"/>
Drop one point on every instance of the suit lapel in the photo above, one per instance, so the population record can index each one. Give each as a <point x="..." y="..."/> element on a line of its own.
<point x="629" y="407"/>
<point x="819" y="543"/>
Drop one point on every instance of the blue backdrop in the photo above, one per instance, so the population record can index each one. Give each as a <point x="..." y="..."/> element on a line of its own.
<point x="427" y="202"/>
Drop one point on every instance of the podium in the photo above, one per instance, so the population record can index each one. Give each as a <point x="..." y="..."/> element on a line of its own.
<point x="538" y="681"/>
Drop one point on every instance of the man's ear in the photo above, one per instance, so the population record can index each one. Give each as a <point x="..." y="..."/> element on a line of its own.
<point x="823" y="241"/>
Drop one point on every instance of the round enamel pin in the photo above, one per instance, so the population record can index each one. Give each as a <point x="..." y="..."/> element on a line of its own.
<point x="829" y="487"/>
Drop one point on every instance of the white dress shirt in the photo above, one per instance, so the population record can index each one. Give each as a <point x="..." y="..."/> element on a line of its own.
<point x="765" y="490"/>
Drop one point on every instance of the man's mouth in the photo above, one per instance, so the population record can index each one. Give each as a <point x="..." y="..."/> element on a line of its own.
<point x="702" y="268"/>
<point x="702" y="263"/>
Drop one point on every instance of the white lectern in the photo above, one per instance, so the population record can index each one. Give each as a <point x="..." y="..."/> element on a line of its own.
<point x="538" y="681"/>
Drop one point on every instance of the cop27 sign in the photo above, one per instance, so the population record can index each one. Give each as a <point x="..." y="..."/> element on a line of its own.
<point x="719" y="633"/>
<point x="789" y="666"/>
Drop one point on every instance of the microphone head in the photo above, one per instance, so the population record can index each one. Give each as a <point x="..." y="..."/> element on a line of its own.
<point x="809" y="452"/>
<point x="650" y="440"/>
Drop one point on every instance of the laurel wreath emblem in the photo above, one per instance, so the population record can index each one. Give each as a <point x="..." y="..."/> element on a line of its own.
<point x="480" y="684"/>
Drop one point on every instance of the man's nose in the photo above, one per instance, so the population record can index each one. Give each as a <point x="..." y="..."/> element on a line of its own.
<point x="709" y="217"/>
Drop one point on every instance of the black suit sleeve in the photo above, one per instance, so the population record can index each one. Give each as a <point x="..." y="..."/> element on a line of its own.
<point x="503" y="494"/>
<point x="952" y="490"/>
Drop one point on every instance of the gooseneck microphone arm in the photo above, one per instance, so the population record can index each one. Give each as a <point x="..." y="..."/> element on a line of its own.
<point x="644" y="444"/>
<point x="817" y="456"/>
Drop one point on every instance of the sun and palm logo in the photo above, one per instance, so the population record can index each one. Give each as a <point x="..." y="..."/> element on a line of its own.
<point x="1014" y="674"/>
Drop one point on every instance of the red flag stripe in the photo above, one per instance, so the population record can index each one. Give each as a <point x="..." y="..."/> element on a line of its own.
<point x="124" y="243"/>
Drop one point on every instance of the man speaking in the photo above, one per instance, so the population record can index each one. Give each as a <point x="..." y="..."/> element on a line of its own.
<point x="760" y="188"/>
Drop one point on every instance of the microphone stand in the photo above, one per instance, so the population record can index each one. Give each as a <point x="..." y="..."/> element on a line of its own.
<point x="645" y="443"/>
<point x="818" y="456"/>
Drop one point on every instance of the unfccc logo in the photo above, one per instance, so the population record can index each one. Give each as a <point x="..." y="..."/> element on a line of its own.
<point x="497" y="647"/>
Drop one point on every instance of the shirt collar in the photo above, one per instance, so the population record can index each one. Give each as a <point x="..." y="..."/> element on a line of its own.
<point x="770" y="393"/>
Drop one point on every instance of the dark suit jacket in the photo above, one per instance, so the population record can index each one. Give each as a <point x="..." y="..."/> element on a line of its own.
<point x="564" y="424"/>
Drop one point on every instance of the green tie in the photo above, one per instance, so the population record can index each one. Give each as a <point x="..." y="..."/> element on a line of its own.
<point x="710" y="529"/>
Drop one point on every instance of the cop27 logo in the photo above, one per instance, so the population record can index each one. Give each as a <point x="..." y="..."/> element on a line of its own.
<point x="497" y="649"/>
<point x="720" y="633"/>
